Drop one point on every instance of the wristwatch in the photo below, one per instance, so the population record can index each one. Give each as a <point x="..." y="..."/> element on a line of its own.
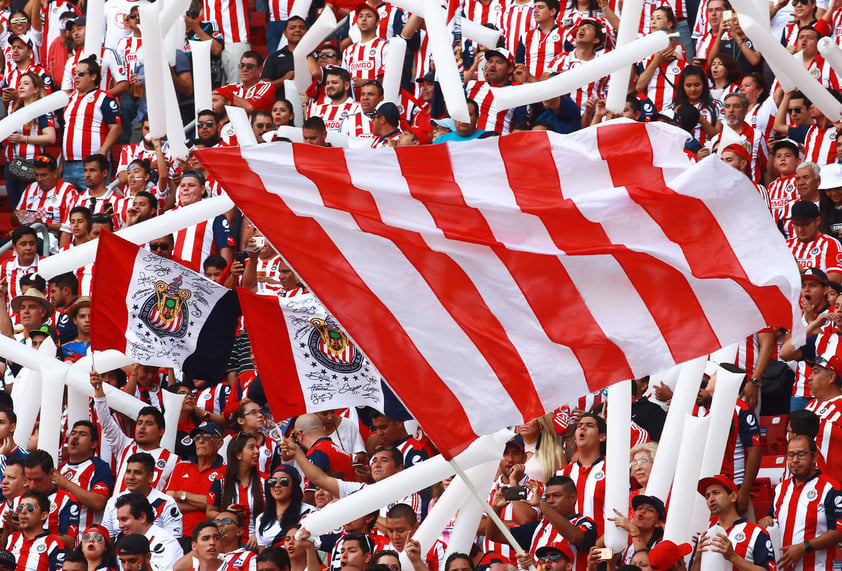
<point x="183" y="496"/>
<point x="755" y="382"/>
<point x="808" y="547"/>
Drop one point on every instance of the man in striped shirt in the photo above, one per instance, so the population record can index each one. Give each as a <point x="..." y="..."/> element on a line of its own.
<point x="252" y="93"/>
<point x="341" y="105"/>
<point x="811" y="247"/>
<point x="498" y="67"/>
<point x="826" y="388"/>
<point x="747" y="546"/>
<point x="33" y="546"/>
<point x="808" y="509"/>
<point x="541" y="44"/>
<point x="364" y="59"/>
<point x="588" y="471"/>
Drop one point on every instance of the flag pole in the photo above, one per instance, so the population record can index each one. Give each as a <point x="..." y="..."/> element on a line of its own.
<point x="487" y="508"/>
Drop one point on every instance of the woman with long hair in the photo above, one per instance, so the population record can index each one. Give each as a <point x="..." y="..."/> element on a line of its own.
<point x="97" y="549"/>
<point x="26" y="143"/>
<point x="723" y="76"/>
<point x="283" y="505"/>
<point x="693" y="90"/>
<point x="249" y="418"/>
<point x="543" y="453"/>
<point x="302" y="553"/>
<point x="282" y="113"/>
<point x="241" y="488"/>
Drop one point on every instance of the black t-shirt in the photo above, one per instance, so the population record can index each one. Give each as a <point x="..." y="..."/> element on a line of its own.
<point x="277" y="65"/>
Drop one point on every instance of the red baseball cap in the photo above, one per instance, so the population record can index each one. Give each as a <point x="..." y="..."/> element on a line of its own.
<point x="830" y="362"/>
<point x="562" y="546"/>
<point x="422" y="136"/>
<point x="666" y="554"/>
<point x="720" y="479"/>
<point x="738" y="149"/>
<point x="366" y="6"/>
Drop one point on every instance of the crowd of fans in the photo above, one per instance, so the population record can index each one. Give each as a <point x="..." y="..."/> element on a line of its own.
<point x="236" y="490"/>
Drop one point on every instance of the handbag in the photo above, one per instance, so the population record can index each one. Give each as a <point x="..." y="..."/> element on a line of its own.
<point x="22" y="169"/>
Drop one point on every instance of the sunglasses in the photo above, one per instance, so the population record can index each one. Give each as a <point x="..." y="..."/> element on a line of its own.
<point x="202" y="436"/>
<point x="326" y="54"/>
<point x="247" y="65"/>
<point x="272" y="482"/>
<point x="133" y="16"/>
<point x="551" y="557"/>
<point x="17" y="20"/>
<point x="154" y="247"/>
<point x="795" y="109"/>
<point x="80" y="73"/>
<point x="93" y="536"/>
<point x="208" y="123"/>
<point x="797" y="2"/>
<point x="26" y="507"/>
<point x="224" y="521"/>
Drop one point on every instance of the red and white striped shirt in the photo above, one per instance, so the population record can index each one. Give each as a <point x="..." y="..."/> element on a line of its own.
<point x="569" y="60"/>
<point x="52" y="205"/>
<point x="33" y="128"/>
<point x="806" y="510"/>
<point x="113" y="70"/>
<point x="279" y="10"/>
<point x="365" y="60"/>
<point x="824" y="253"/>
<point x="232" y="18"/>
<point x="84" y="275"/>
<point x="92" y="475"/>
<point x="752" y="543"/>
<point x="590" y="489"/>
<point x="42" y="553"/>
<point x="516" y="21"/>
<point x="490" y="12"/>
<point x="270" y="270"/>
<point x="491" y="118"/>
<point x="165" y="461"/>
<point x="759" y="154"/>
<point x="238" y="560"/>
<point x="13" y="272"/>
<point x="87" y="119"/>
<point x="108" y="202"/>
<point x="386" y="23"/>
<point x="334" y="115"/>
<point x="662" y="86"/>
<point x="127" y="49"/>
<point x="781" y="192"/>
<point x="358" y="125"/>
<point x="194" y="244"/>
<point x="540" y="49"/>
<point x="820" y="145"/>
<point x="261" y="95"/>
<point x="829" y="438"/>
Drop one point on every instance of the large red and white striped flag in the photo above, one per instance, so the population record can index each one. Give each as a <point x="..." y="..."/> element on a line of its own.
<point x="492" y="281"/>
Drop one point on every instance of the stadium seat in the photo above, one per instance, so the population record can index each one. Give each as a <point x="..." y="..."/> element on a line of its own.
<point x="762" y="495"/>
<point x="773" y="434"/>
<point x="257" y="30"/>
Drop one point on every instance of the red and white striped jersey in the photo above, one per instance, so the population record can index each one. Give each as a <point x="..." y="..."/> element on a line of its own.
<point x="820" y="145"/>
<point x="752" y="543"/>
<point x="786" y="214"/>
<point x="127" y="49"/>
<point x="759" y="153"/>
<point x="569" y="60"/>
<point x="165" y="461"/>
<point x="279" y="10"/>
<point x="762" y="117"/>
<point x="242" y="495"/>
<point x="27" y="150"/>
<point x="590" y="489"/>
<point x="422" y="59"/>
<point x="365" y="60"/>
<point x="238" y="560"/>
<point x="516" y="21"/>
<point x="781" y="192"/>
<point x="84" y="275"/>
<point x="711" y="115"/>
<point x="571" y="18"/>
<point x="93" y="475"/>
<point x="805" y="511"/>
<point x="42" y="553"/>
<point x="540" y="49"/>
<point x="14" y="74"/>
<point x="32" y="34"/>
<point x="113" y="70"/>
<point x="662" y="86"/>
<point x="108" y="202"/>
<point x="51" y="205"/>
<point x="13" y="272"/>
<point x="153" y="396"/>
<point x="546" y="534"/>
<point x="824" y="253"/>
<point x="87" y="119"/>
<point x="748" y="350"/>
<point x="232" y="18"/>
<point x="138" y="151"/>
<point x="334" y="115"/>
<point x="490" y="12"/>
<point x="270" y="270"/>
<point x="490" y="117"/>
<point x="829" y="438"/>
<point x="357" y="125"/>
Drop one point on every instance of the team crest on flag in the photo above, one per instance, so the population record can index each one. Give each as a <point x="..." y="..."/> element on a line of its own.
<point x="160" y="313"/>
<point x="330" y="370"/>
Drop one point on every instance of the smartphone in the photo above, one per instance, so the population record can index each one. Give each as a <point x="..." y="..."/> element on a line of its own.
<point x="727" y="15"/>
<point x="515" y="493"/>
<point x="241" y="257"/>
<point x="605" y="553"/>
<point x="259" y="241"/>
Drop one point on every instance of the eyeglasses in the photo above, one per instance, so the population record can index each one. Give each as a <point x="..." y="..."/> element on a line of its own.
<point x="264" y="125"/>
<point x="154" y="247"/>
<point x="801" y="455"/>
<point x="639" y="462"/>
<point x="795" y="109"/>
<point x="326" y="54"/>
<point x="551" y="557"/>
<point x="18" y="21"/>
<point x="272" y="482"/>
<point x="208" y="123"/>
<point x="224" y="521"/>
<point x="203" y="436"/>
<point x="28" y="507"/>
<point x="93" y="536"/>
<point x="254" y="411"/>
<point x="247" y="65"/>
<point x="81" y="73"/>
